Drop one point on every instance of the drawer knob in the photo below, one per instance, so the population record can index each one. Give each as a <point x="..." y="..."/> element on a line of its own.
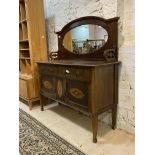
<point x="67" y="71"/>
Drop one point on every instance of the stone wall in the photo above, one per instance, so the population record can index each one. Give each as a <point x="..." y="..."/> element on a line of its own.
<point x="59" y="13"/>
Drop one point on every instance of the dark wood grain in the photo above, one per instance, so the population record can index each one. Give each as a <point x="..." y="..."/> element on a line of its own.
<point x="87" y="83"/>
<point x="98" y="88"/>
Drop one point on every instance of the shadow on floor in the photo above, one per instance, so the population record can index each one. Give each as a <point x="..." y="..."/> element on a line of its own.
<point x="79" y="118"/>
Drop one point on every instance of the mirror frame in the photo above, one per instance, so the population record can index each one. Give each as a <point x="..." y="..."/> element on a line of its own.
<point x="106" y="53"/>
<point x="94" y="50"/>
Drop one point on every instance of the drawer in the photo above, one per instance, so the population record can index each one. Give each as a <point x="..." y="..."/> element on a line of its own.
<point x="48" y="69"/>
<point x="76" y="73"/>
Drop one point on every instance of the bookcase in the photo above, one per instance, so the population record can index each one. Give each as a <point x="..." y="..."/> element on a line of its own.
<point x="32" y="48"/>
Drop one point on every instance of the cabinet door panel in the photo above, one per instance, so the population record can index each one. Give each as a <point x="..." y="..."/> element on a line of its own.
<point x="60" y="89"/>
<point x="23" y="91"/>
<point x="48" y="85"/>
<point x="77" y="92"/>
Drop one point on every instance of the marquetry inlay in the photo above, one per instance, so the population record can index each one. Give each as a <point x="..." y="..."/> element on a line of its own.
<point x="59" y="88"/>
<point x="47" y="84"/>
<point x="77" y="93"/>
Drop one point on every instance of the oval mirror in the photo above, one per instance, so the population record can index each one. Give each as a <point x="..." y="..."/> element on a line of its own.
<point x="85" y="39"/>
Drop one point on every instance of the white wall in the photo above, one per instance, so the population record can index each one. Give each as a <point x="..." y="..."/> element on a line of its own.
<point x="60" y="12"/>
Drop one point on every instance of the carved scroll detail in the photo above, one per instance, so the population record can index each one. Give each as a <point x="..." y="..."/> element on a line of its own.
<point x="109" y="54"/>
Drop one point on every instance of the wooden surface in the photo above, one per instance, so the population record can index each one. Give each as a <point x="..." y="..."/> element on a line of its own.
<point x="32" y="47"/>
<point x="23" y="88"/>
<point x="106" y="53"/>
<point x="74" y="62"/>
<point x="88" y="82"/>
<point x="88" y="89"/>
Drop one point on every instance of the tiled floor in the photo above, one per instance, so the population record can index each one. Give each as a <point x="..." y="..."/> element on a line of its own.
<point x="76" y="129"/>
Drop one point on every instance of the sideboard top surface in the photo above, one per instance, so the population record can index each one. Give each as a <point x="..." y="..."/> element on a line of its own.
<point x="78" y="63"/>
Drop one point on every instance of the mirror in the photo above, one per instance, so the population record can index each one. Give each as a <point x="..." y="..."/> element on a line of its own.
<point x="85" y="39"/>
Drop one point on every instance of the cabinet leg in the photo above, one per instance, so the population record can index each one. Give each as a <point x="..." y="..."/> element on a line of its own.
<point x="30" y="104"/>
<point x="59" y="103"/>
<point x="41" y="102"/>
<point x="114" y="116"/>
<point x="94" y="128"/>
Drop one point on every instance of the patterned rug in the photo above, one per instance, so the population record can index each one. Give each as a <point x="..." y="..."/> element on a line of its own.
<point x="36" y="139"/>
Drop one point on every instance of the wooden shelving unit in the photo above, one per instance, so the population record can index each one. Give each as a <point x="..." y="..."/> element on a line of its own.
<point x="32" y="47"/>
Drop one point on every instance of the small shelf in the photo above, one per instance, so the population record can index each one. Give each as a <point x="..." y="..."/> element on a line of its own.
<point x="28" y="66"/>
<point x="23" y="45"/>
<point x="24" y="40"/>
<point x="26" y="58"/>
<point x="21" y="1"/>
<point x="22" y="63"/>
<point x="20" y="32"/>
<point x="22" y="10"/>
<point x="25" y="66"/>
<point x="25" y="76"/>
<point x="24" y="54"/>
<point x="23" y="21"/>
<point x="24" y="30"/>
<point x="24" y="49"/>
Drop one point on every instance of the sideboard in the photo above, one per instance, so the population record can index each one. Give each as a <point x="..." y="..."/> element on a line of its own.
<point x="82" y="77"/>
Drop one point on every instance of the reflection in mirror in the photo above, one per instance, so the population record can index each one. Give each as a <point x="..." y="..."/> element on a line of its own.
<point x="85" y="39"/>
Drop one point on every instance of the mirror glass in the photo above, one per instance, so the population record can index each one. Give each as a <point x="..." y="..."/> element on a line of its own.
<point x="85" y="39"/>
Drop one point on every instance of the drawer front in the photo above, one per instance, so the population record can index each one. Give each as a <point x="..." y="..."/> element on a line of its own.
<point x="48" y="69"/>
<point x="23" y="90"/>
<point x="75" y="73"/>
<point x="77" y="93"/>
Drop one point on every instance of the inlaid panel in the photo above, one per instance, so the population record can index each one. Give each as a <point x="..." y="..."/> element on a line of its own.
<point x="48" y="85"/>
<point x="77" y="92"/>
<point x="60" y="87"/>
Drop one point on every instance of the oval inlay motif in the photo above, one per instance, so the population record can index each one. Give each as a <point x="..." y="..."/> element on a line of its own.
<point x="47" y="84"/>
<point x="77" y="93"/>
<point x="59" y="88"/>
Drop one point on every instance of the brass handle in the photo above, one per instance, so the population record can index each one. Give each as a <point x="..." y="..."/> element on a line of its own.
<point x="67" y="71"/>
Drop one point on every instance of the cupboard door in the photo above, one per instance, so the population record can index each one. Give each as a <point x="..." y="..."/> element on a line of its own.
<point x="77" y="93"/>
<point x="48" y="85"/>
<point x="23" y="90"/>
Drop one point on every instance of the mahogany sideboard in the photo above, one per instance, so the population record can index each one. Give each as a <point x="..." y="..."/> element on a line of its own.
<point x="89" y="87"/>
<point x="83" y="74"/>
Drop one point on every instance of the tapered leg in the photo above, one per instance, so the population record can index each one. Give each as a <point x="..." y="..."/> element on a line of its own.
<point x="30" y="104"/>
<point x="59" y="103"/>
<point x="114" y="116"/>
<point x="94" y="128"/>
<point x="41" y="102"/>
